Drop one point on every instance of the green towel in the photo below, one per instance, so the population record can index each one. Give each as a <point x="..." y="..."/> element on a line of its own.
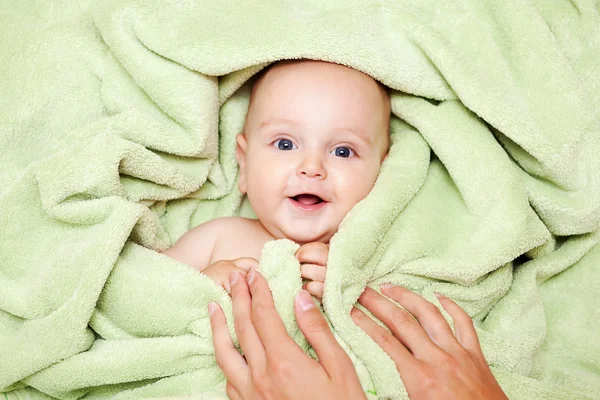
<point x="117" y="125"/>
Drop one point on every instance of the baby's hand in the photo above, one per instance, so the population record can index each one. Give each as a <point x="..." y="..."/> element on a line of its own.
<point x="313" y="261"/>
<point x="220" y="270"/>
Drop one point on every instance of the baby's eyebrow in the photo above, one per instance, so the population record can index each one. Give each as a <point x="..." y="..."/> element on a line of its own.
<point x="276" y="121"/>
<point x="359" y="133"/>
<point x="356" y="132"/>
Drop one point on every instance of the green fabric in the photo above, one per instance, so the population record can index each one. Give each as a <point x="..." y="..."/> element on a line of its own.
<point x="117" y="125"/>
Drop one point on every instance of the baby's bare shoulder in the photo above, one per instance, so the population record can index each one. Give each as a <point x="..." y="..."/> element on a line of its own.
<point x="221" y="225"/>
<point x="229" y="225"/>
<point x="239" y="237"/>
<point x="212" y="240"/>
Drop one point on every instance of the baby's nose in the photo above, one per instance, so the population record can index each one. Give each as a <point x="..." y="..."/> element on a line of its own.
<point x="312" y="167"/>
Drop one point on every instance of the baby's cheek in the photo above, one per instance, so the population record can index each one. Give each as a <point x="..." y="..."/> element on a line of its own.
<point x="357" y="186"/>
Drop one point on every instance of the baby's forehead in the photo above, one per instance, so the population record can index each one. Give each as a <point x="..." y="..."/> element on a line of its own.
<point x="294" y="91"/>
<point x="288" y="70"/>
<point x="304" y="75"/>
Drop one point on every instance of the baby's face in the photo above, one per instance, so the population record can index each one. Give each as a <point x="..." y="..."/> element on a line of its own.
<point x="315" y="137"/>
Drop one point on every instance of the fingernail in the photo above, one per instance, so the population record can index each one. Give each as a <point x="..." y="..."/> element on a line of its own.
<point x="438" y="295"/>
<point x="233" y="277"/>
<point x="305" y="301"/>
<point x="212" y="307"/>
<point x="251" y="275"/>
<point x="386" y="286"/>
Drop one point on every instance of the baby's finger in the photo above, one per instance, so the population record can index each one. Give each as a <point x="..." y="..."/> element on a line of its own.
<point x="245" y="263"/>
<point x="313" y="272"/>
<point x="315" y="288"/>
<point x="232" y="364"/>
<point x="313" y="253"/>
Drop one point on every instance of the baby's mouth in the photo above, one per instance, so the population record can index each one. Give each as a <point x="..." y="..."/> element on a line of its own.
<point x="308" y="200"/>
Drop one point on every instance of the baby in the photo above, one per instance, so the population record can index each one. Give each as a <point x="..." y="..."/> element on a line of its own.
<point x="314" y="139"/>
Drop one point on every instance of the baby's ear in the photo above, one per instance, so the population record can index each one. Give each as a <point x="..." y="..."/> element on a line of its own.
<point x="240" y="155"/>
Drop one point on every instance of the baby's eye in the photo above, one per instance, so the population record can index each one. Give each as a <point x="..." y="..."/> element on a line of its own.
<point x="284" y="144"/>
<point x="342" y="151"/>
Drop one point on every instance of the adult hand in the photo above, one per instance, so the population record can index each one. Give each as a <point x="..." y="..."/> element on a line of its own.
<point x="274" y="367"/>
<point x="433" y="363"/>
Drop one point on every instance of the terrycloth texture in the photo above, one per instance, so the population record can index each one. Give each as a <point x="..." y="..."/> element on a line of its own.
<point x="117" y="124"/>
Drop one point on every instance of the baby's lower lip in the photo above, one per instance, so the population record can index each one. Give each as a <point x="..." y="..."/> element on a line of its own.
<point x="307" y="207"/>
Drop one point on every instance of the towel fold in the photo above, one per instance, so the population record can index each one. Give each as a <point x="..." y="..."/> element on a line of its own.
<point x="117" y="129"/>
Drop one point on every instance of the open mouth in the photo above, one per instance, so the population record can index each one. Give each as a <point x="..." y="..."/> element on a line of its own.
<point x="308" y="199"/>
<point x="308" y="202"/>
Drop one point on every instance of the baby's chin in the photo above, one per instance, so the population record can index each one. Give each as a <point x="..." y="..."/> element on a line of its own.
<point x="308" y="237"/>
<point x="302" y="230"/>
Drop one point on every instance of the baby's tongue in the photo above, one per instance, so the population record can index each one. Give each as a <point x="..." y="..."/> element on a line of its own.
<point x="308" y="199"/>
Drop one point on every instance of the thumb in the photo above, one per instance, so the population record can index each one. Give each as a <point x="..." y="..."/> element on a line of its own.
<point x="316" y="330"/>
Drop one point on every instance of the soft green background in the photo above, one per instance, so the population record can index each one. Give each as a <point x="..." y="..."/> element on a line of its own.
<point x="117" y="121"/>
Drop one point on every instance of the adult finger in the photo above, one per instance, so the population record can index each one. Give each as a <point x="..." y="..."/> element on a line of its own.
<point x="402" y="324"/>
<point x="250" y="342"/>
<point x="463" y="326"/>
<point x="232" y="364"/>
<point x="405" y="362"/>
<point x="313" y="272"/>
<point x="316" y="330"/>
<point x="428" y="315"/>
<point x="313" y="253"/>
<point x="245" y="263"/>
<point x="266" y="321"/>
<point x="225" y="281"/>
<point x="232" y="392"/>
